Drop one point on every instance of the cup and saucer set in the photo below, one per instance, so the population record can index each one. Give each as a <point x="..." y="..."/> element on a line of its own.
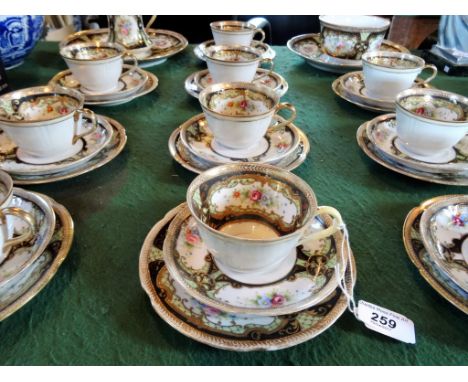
<point x="97" y="71"/>
<point x="231" y="58"/>
<point x="384" y="75"/>
<point x="36" y="234"/>
<point x="425" y="139"/>
<point x="339" y="46"/>
<point x="435" y="237"/>
<point x="150" y="46"/>
<point x="235" y="32"/>
<point x="46" y="135"/>
<point x="249" y="262"/>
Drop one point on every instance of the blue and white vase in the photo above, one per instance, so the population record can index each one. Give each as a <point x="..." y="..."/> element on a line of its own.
<point x="18" y="36"/>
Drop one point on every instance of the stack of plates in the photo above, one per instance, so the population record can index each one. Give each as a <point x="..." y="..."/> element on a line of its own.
<point x="378" y="139"/>
<point x="31" y="265"/>
<point x="192" y="295"/>
<point x="132" y="84"/>
<point x="309" y="46"/>
<point x="98" y="149"/>
<point x="191" y="146"/>
<point x="265" y="49"/>
<point x="165" y="43"/>
<point x="435" y="235"/>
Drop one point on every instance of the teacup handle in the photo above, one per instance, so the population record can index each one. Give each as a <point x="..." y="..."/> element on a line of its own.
<point x="76" y="120"/>
<point x="336" y="225"/>
<point x="134" y="66"/>
<point x="259" y="30"/>
<point x="151" y="22"/>
<point x="432" y="76"/>
<point x="272" y="65"/>
<point x="26" y="217"/>
<point x="289" y="106"/>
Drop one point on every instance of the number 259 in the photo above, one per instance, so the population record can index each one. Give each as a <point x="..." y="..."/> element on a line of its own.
<point x="384" y="320"/>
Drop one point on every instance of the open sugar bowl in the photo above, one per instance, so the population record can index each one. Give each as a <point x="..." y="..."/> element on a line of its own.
<point x="430" y="122"/>
<point x="97" y="65"/>
<point x="240" y="113"/>
<point x="252" y="217"/>
<point x="235" y="63"/>
<point x="45" y="122"/>
<point x="234" y="32"/>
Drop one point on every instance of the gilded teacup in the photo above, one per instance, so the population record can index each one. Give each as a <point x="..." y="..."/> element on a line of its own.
<point x="239" y="113"/>
<point x="252" y="216"/>
<point x="234" y="32"/>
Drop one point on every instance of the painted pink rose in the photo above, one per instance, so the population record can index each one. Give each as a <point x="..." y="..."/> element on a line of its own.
<point x="277" y="300"/>
<point x="255" y="195"/>
<point x="191" y="237"/>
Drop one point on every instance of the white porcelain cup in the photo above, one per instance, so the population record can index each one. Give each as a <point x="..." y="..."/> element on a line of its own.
<point x="97" y="65"/>
<point x="234" y="32"/>
<point x="239" y="113"/>
<point x="429" y="121"/>
<point x="252" y="216"/>
<point x="388" y="73"/>
<point x="6" y="225"/>
<point x="45" y="122"/>
<point x="234" y="63"/>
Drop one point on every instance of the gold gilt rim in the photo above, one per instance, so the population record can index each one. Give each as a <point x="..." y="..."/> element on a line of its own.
<point x="407" y="225"/>
<point x="68" y="232"/>
<point x="361" y="132"/>
<point x="80" y="171"/>
<point x="212" y="340"/>
<point x="188" y="166"/>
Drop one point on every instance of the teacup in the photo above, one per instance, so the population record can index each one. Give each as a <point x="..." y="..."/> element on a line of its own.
<point x="97" y="65"/>
<point x="430" y="122"/>
<point x="239" y="113"/>
<point x="234" y="63"/>
<point x="45" y="122"/>
<point x="234" y="32"/>
<point x="388" y="73"/>
<point x="6" y="194"/>
<point x="351" y="36"/>
<point x="253" y="216"/>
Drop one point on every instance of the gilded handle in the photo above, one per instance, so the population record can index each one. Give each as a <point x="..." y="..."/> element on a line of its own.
<point x="291" y="108"/>
<point x="27" y="218"/>
<point x="258" y="30"/>
<point x="337" y="223"/>
<point x="272" y="65"/>
<point x="77" y="122"/>
<point x="433" y="75"/>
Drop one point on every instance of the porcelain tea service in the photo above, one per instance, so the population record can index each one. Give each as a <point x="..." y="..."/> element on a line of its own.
<point x="240" y="113"/>
<point x="97" y="66"/>
<point x="235" y="63"/>
<point x="233" y="32"/>
<point x="388" y="73"/>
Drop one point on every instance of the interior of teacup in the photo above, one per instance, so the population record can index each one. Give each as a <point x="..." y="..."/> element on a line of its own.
<point x="238" y="99"/>
<point x="231" y="54"/>
<point x="91" y="51"/>
<point x="393" y="60"/>
<point x="232" y="26"/>
<point x="364" y="22"/>
<point x="251" y="204"/>
<point x="440" y="106"/>
<point x="37" y="107"/>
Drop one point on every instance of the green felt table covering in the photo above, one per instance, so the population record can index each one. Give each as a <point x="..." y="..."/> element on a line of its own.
<point x="94" y="311"/>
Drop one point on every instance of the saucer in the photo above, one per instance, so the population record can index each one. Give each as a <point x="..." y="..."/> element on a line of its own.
<point x="426" y="266"/>
<point x="165" y="43"/>
<point x="353" y="89"/>
<point x="308" y="46"/>
<point x="23" y="255"/>
<point x="198" y="81"/>
<point x="364" y="142"/>
<point x="444" y="230"/>
<point x="310" y="280"/>
<point x="11" y="162"/>
<point x="130" y="82"/>
<point x="381" y="131"/>
<point x="109" y="152"/>
<point x="38" y="274"/>
<point x="238" y="332"/>
<point x="275" y="146"/>
<point x="265" y="50"/>
<point x="191" y="162"/>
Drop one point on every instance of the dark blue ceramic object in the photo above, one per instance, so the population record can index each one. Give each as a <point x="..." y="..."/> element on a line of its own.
<point x="18" y="36"/>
